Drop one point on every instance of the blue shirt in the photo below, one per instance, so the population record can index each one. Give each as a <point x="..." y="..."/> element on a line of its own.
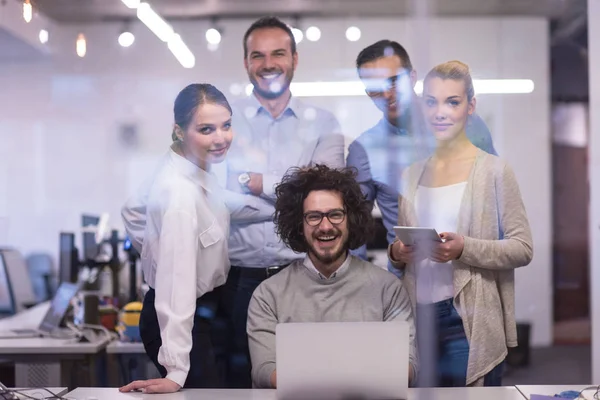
<point x="381" y="153"/>
<point x="302" y="135"/>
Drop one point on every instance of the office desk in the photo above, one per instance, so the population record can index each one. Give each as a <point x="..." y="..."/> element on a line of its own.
<point x="39" y="393"/>
<point x="44" y="362"/>
<point x="118" y="347"/>
<point x="475" y="393"/>
<point x="551" y="390"/>
<point x="133" y="363"/>
<point x="501" y="393"/>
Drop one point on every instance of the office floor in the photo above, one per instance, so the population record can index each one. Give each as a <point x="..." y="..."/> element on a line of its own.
<point x="553" y="365"/>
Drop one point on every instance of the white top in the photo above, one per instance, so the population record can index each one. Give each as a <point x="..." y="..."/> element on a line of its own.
<point x="184" y="252"/>
<point x="437" y="207"/>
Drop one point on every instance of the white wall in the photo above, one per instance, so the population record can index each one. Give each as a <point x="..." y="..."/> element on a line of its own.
<point x="59" y="119"/>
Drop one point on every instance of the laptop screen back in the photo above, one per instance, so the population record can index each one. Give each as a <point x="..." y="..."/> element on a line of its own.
<point x="340" y="360"/>
<point x="58" y="308"/>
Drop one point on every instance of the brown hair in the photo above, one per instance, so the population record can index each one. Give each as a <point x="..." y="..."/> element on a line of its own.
<point x="296" y="185"/>
<point x="457" y="71"/>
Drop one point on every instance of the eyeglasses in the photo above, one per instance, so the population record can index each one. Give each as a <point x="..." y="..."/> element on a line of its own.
<point x="335" y="217"/>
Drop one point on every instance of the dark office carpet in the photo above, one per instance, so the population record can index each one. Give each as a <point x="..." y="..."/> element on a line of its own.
<point x="556" y="365"/>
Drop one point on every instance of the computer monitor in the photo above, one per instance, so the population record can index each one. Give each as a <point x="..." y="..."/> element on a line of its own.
<point x="6" y="296"/>
<point x="90" y="245"/>
<point x="68" y="258"/>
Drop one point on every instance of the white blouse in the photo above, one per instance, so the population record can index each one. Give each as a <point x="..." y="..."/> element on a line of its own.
<point x="437" y="207"/>
<point x="184" y="252"/>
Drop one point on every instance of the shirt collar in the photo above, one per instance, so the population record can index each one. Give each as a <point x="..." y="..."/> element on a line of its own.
<point x="387" y="126"/>
<point x="293" y="107"/>
<point x="311" y="267"/>
<point x="192" y="171"/>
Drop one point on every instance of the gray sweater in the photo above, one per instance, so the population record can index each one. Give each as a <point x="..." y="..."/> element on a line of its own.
<point x="360" y="292"/>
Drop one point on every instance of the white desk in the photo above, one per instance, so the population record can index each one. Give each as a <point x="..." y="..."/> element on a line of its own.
<point x="502" y="393"/>
<point x="44" y="345"/>
<point x="186" y="394"/>
<point x="118" y="347"/>
<point x="477" y="393"/>
<point x="551" y="390"/>
<point x="39" y="393"/>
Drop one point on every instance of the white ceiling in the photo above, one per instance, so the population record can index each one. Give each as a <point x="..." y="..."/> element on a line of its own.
<point x="98" y="10"/>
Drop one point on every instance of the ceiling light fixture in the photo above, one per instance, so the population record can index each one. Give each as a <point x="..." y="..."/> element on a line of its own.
<point x="154" y="22"/>
<point x="213" y="36"/>
<point x="131" y="3"/>
<point x="81" y="45"/>
<point x="181" y="52"/>
<point x="357" y="88"/>
<point x="43" y="36"/>
<point x="313" y="34"/>
<point x="126" y="38"/>
<point x="27" y="11"/>
<point x="353" y="34"/>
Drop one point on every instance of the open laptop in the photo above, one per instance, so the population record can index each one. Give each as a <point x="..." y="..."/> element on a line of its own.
<point x="342" y="360"/>
<point x="58" y="308"/>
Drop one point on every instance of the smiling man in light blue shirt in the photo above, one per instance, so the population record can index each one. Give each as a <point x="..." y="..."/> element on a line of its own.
<point x="400" y="137"/>
<point x="273" y="132"/>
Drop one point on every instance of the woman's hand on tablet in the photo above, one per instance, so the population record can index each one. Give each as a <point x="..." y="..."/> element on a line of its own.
<point x="402" y="253"/>
<point x="451" y="249"/>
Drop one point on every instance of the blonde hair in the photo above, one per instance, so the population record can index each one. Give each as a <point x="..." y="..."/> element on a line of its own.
<point x="457" y="71"/>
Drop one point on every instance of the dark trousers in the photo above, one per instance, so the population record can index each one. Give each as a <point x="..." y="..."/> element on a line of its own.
<point x="237" y="293"/>
<point x="204" y="371"/>
<point x="447" y="347"/>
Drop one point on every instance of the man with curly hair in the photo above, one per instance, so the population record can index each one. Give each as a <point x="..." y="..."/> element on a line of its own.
<point x="322" y="212"/>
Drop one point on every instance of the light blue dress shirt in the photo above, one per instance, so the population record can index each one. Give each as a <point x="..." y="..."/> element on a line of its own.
<point x="302" y="135"/>
<point x="382" y="152"/>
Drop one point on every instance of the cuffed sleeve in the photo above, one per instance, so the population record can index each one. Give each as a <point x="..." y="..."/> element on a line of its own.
<point x="176" y="291"/>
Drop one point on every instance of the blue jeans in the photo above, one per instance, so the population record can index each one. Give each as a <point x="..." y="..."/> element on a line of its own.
<point x="451" y="348"/>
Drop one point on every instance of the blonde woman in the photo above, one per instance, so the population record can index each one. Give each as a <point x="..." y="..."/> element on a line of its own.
<point x="473" y="199"/>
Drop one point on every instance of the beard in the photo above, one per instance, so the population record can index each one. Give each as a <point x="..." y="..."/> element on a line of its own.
<point x="328" y="256"/>
<point x="270" y="94"/>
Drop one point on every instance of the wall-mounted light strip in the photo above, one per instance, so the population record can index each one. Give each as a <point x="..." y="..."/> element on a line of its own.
<point x="357" y="88"/>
